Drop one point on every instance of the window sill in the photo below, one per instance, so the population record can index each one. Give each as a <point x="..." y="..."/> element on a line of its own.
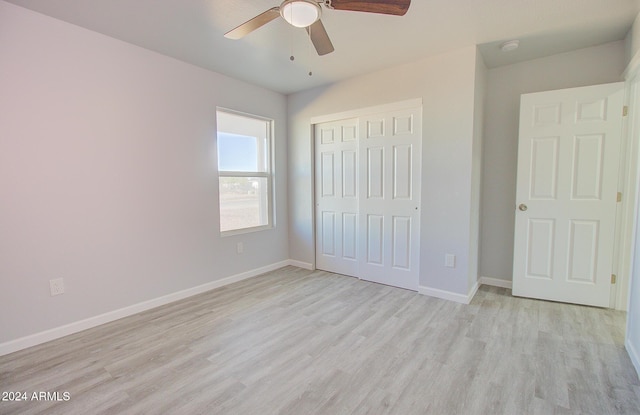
<point x="246" y="230"/>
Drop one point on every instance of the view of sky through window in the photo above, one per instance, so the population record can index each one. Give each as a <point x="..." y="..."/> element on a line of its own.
<point x="240" y="152"/>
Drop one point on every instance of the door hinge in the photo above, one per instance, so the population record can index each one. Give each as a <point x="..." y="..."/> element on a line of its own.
<point x="625" y="111"/>
<point x="619" y="197"/>
<point x="613" y="278"/>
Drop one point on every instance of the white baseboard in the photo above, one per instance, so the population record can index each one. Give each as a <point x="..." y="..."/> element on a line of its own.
<point x="75" y="327"/>
<point x="448" y="295"/>
<point x="300" y="264"/>
<point x="633" y="354"/>
<point x="473" y="291"/>
<point x="496" y="282"/>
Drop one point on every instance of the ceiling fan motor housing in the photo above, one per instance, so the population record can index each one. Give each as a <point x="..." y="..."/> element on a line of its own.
<point x="300" y="13"/>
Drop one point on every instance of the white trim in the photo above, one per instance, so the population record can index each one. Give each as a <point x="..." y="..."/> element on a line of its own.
<point x="633" y="354"/>
<point x="448" y="295"/>
<point x="496" y="282"/>
<point x="75" y="327"/>
<point x="632" y="75"/>
<point x="625" y="211"/>
<point x="300" y="264"/>
<point x="361" y="112"/>
<point x="473" y="291"/>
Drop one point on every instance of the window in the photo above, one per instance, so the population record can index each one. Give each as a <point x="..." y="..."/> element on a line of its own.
<point x="244" y="166"/>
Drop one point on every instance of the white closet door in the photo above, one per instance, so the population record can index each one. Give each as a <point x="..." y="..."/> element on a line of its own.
<point x="568" y="156"/>
<point x="336" y="145"/>
<point x="389" y="198"/>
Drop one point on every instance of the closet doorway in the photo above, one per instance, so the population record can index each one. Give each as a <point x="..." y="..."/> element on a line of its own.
<point x="367" y="196"/>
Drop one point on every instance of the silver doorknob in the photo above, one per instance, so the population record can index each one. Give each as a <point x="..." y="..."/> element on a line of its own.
<point x="522" y="207"/>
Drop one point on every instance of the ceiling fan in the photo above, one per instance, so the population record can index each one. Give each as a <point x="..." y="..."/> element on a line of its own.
<point x="306" y="13"/>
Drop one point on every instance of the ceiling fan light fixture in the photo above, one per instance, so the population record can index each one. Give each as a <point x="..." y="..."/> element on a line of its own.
<point x="300" y="13"/>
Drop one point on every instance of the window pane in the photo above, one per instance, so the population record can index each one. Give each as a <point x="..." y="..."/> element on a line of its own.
<point x="241" y="153"/>
<point x="242" y="143"/>
<point x="243" y="202"/>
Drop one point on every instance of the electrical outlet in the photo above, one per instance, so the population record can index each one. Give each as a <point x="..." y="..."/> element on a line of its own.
<point x="450" y="261"/>
<point x="56" y="286"/>
<point x="239" y="248"/>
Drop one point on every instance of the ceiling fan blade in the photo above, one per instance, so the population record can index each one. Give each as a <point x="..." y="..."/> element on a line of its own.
<point x="253" y="24"/>
<point x="394" y="7"/>
<point x="320" y="38"/>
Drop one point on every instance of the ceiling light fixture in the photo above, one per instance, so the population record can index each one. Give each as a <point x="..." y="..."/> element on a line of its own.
<point x="510" y="45"/>
<point x="300" y="13"/>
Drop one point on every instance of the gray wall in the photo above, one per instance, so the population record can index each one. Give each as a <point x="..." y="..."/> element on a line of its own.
<point x="107" y="174"/>
<point x="590" y="66"/>
<point x="632" y="40"/>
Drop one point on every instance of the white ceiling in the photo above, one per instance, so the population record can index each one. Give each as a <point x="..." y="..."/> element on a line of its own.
<point x="192" y="31"/>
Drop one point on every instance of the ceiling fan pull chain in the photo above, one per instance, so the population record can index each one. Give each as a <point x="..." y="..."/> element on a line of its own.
<point x="309" y="57"/>
<point x="292" y="57"/>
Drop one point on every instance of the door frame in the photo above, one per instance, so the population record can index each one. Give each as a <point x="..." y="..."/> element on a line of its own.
<point x="632" y="78"/>
<point x="356" y="113"/>
<point x="628" y="186"/>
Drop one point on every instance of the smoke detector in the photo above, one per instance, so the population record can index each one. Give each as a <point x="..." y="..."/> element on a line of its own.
<point x="510" y="45"/>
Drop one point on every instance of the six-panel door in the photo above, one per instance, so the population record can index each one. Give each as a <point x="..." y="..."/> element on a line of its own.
<point x="367" y="197"/>
<point x="566" y="198"/>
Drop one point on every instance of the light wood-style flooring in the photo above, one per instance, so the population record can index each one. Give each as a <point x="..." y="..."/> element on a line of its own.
<point x="309" y="342"/>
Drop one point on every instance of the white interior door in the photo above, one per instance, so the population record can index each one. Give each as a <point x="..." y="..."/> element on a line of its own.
<point x="336" y="145"/>
<point x="390" y="147"/>
<point x="367" y="191"/>
<point x="568" y="156"/>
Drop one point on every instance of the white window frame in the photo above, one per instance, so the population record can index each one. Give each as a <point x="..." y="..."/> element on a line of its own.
<point x="268" y="174"/>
